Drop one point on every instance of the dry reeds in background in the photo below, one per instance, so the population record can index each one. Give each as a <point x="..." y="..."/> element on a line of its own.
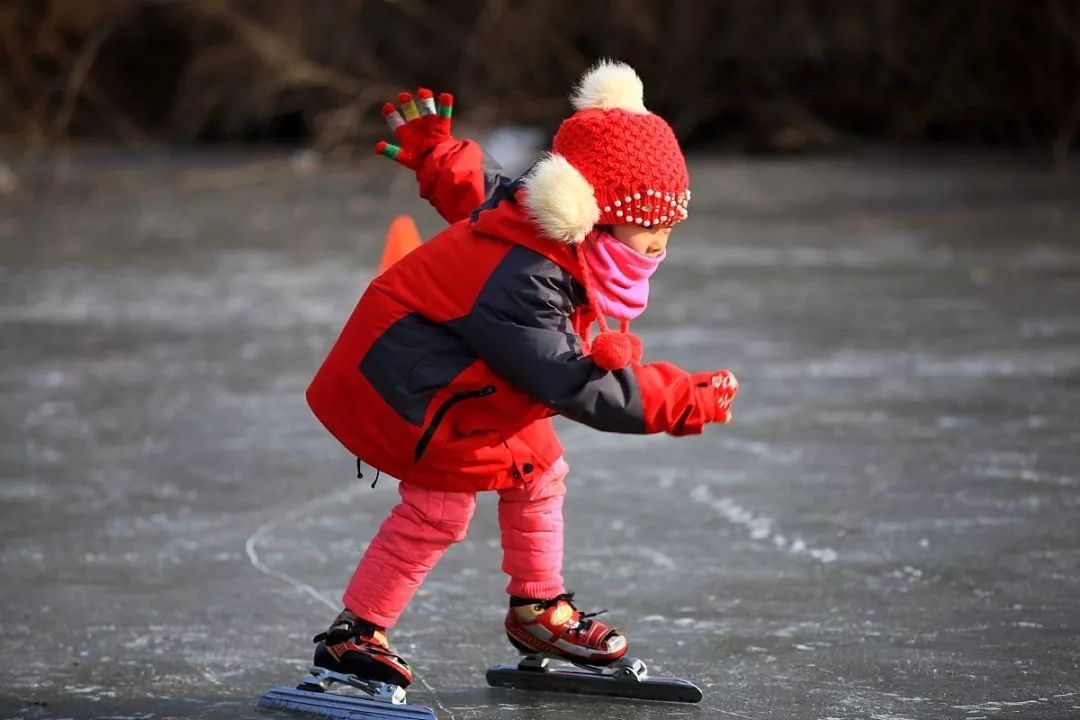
<point x="767" y="74"/>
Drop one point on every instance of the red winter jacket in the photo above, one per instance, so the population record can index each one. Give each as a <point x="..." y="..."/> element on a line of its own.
<point x="452" y="363"/>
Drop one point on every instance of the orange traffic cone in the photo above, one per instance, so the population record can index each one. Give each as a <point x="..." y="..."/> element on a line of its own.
<point x="401" y="239"/>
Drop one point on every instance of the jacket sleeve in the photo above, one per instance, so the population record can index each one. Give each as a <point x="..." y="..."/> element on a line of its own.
<point x="520" y="326"/>
<point x="454" y="178"/>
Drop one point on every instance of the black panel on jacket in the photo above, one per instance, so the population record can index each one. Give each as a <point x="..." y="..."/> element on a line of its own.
<point x="411" y="361"/>
<point x="520" y="326"/>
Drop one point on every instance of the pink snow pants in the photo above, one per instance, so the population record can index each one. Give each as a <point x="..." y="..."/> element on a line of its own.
<point x="427" y="522"/>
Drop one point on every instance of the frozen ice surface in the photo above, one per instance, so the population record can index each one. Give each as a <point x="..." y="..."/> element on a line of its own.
<point x="889" y="528"/>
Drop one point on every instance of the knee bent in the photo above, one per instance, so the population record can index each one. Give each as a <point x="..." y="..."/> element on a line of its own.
<point x="443" y="528"/>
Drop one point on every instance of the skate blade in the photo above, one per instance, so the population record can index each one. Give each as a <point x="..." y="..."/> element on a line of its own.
<point x="585" y="682"/>
<point x="339" y="707"/>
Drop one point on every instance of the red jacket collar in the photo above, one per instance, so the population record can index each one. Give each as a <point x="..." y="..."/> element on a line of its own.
<point x="508" y="221"/>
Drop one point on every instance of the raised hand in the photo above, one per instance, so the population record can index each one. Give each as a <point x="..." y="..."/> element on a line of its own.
<point x="420" y="125"/>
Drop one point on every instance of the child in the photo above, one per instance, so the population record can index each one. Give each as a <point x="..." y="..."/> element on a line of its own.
<point x="449" y="369"/>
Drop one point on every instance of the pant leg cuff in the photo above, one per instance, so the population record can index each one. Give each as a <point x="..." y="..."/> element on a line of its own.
<point x="365" y="612"/>
<point x="538" y="589"/>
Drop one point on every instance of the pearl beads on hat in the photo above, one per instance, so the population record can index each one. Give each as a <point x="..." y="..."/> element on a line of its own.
<point x="650" y="213"/>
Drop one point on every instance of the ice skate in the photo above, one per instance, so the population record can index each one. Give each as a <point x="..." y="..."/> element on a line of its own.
<point x="351" y="647"/>
<point x="371" y="676"/>
<point x="571" y="652"/>
<point x="558" y="629"/>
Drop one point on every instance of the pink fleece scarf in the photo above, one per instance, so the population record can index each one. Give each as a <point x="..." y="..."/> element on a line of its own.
<point x="620" y="275"/>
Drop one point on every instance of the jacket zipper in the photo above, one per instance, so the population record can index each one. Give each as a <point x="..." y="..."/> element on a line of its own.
<point x="437" y="418"/>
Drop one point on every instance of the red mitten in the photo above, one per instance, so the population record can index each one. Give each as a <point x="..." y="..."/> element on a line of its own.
<point x="418" y="127"/>
<point x="682" y="403"/>
<point x="714" y="392"/>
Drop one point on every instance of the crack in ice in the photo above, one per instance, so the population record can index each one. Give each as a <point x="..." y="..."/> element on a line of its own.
<point x="760" y="527"/>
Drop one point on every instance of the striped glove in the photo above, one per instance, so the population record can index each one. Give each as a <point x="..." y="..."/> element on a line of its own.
<point x="419" y="126"/>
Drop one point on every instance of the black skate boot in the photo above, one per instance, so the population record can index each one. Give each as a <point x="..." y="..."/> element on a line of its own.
<point x="354" y="647"/>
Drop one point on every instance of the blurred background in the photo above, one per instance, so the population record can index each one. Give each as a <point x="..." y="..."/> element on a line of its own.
<point x="749" y="74"/>
<point x="884" y="246"/>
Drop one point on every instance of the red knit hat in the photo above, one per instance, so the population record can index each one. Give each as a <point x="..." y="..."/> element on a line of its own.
<point x="612" y="162"/>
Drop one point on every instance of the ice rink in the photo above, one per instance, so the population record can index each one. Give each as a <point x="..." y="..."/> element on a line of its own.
<point x="890" y="529"/>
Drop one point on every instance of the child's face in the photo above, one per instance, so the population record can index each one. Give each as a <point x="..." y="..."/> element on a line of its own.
<point x="649" y="242"/>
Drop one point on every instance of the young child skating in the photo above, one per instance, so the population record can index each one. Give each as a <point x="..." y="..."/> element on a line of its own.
<point x="451" y="366"/>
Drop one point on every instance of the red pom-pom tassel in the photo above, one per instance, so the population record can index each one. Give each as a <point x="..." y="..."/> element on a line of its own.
<point x="612" y="350"/>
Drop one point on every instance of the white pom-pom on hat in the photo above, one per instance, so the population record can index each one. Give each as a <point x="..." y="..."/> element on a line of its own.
<point x="610" y="85"/>
<point x="560" y="200"/>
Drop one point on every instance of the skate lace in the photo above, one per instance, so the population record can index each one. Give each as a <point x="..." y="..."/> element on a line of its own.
<point x="583" y="622"/>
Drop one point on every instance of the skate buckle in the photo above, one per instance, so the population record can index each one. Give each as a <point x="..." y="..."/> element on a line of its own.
<point x="322" y="680"/>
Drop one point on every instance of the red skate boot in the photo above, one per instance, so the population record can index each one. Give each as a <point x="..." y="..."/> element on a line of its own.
<point x="556" y="628"/>
<point x="353" y="647"/>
